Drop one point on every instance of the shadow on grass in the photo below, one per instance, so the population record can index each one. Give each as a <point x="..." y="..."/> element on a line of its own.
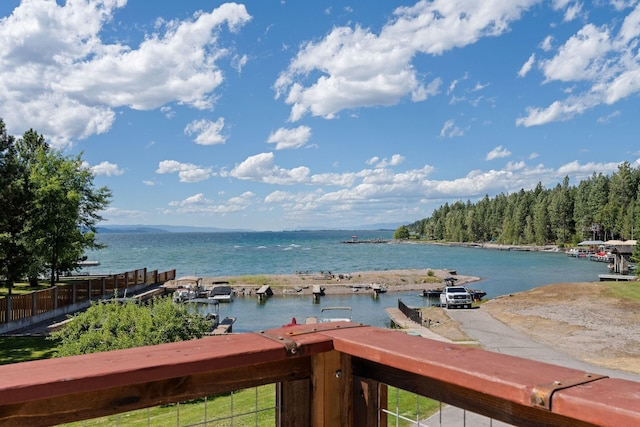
<point x="22" y="349"/>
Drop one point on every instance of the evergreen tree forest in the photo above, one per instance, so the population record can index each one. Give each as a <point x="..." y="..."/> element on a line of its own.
<point x="599" y="208"/>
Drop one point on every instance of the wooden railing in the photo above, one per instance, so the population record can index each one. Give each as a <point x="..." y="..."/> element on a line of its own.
<point x="18" y="307"/>
<point x="414" y="314"/>
<point x="333" y="374"/>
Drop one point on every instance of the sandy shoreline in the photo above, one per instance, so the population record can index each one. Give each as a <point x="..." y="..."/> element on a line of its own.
<point x="338" y="283"/>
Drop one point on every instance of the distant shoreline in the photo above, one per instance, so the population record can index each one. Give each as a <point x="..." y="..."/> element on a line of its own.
<point x="494" y="246"/>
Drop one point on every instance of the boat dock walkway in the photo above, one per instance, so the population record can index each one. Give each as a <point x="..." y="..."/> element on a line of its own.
<point x="410" y="327"/>
<point x="616" y="277"/>
<point x="224" y="327"/>
<point x="264" y="292"/>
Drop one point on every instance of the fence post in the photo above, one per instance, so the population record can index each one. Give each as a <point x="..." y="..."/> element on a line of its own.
<point x="55" y="297"/>
<point x="104" y="287"/>
<point x="9" y="298"/>
<point x="34" y="303"/>
<point x="332" y="397"/>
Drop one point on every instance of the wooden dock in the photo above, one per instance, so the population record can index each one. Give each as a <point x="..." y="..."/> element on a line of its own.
<point x="224" y="327"/>
<point x="616" y="277"/>
<point x="400" y="320"/>
<point x="378" y="289"/>
<point x="264" y="292"/>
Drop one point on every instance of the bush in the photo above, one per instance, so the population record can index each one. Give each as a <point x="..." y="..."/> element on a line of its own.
<point x="111" y="326"/>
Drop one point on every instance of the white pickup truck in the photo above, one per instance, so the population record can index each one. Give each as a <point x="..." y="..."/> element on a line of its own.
<point x="455" y="296"/>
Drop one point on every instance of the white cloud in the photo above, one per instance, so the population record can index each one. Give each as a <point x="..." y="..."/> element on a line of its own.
<point x="395" y="160"/>
<point x="187" y="172"/>
<point x="572" y="12"/>
<point x="119" y="214"/>
<point x="199" y="204"/>
<point x="196" y="199"/>
<point x="582" y="57"/>
<point x="547" y="43"/>
<point x="290" y="138"/>
<point x="58" y="76"/>
<point x="498" y="153"/>
<point x="262" y="168"/>
<point x="450" y="130"/>
<point x="608" y="117"/>
<point x="107" y="169"/>
<point x="602" y="64"/>
<point x="359" y="68"/>
<point x="526" y="67"/>
<point x="208" y="132"/>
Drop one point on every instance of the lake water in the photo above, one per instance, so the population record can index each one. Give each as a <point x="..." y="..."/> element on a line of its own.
<point x="237" y="253"/>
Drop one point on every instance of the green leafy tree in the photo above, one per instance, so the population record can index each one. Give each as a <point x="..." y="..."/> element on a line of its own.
<point x="15" y="211"/>
<point x="401" y="233"/>
<point x="67" y="209"/>
<point x="111" y="326"/>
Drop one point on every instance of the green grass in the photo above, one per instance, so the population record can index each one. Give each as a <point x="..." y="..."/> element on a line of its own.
<point x="409" y="405"/>
<point x="23" y="288"/>
<point x="250" y="407"/>
<point x="624" y="290"/>
<point x="257" y="280"/>
<point x="23" y="349"/>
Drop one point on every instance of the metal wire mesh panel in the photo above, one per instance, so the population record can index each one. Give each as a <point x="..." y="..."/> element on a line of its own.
<point x="406" y="409"/>
<point x="254" y="407"/>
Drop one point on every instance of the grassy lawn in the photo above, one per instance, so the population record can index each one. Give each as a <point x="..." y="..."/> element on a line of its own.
<point x="625" y="290"/>
<point x="250" y="407"/>
<point x="22" y="349"/>
<point x="409" y="405"/>
<point x="23" y="288"/>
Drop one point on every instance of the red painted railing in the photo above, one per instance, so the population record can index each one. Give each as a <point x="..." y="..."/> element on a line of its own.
<point x="327" y="375"/>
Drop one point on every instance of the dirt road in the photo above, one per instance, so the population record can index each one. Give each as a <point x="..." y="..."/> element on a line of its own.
<point x="582" y="320"/>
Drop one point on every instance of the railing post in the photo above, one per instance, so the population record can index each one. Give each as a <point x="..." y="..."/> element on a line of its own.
<point x="294" y="400"/>
<point x="332" y="384"/>
<point x="369" y="399"/>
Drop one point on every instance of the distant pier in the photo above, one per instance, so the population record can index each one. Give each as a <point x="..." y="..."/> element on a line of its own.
<point x="354" y="239"/>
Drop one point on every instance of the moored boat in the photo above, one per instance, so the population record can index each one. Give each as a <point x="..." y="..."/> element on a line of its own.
<point x="222" y="293"/>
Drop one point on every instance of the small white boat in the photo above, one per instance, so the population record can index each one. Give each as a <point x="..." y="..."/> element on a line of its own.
<point x="221" y="293"/>
<point x="343" y="314"/>
<point x="189" y="287"/>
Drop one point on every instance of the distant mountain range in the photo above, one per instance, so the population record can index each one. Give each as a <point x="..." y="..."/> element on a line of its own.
<point x="105" y="229"/>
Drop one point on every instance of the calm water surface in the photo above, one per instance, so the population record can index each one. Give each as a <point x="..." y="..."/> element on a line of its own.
<point x="222" y="254"/>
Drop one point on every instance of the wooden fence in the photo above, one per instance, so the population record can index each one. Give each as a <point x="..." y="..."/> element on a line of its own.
<point x="18" y="307"/>
<point x="414" y="314"/>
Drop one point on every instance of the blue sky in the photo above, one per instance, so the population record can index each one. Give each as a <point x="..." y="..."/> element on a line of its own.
<point x="274" y="114"/>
